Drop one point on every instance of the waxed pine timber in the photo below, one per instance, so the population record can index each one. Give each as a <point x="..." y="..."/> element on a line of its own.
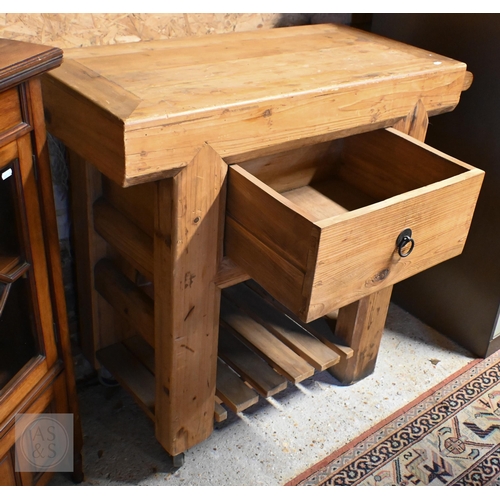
<point x="249" y="365"/>
<point x="288" y="331"/>
<point x="232" y="390"/>
<point x="243" y="93"/>
<point x="187" y="257"/>
<point x="130" y="240"/>
<point x="260" y="338"/>
<point x="126" y="298"/>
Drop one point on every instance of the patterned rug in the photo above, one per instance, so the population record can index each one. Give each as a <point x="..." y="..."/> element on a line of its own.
<point x="448" y="436"/>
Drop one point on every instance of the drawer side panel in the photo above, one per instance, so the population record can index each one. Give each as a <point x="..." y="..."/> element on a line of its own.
<point x="273" y="242"/>
<point x="279" y="225"/>
<point x="280" y="278"/>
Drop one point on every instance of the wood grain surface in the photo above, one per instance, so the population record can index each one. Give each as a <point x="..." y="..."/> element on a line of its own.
<point x="241" y="92"/>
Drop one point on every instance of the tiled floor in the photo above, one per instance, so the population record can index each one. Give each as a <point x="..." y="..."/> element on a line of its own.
<point x="279" y="438"/>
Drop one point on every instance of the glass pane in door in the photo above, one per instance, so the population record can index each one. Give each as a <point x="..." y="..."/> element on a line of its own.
<point x="18" y="339"/>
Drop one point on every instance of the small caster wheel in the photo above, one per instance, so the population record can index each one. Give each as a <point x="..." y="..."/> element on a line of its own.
<point x="178" y="460"/>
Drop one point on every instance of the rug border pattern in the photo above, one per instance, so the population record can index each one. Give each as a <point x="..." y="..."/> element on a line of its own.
<point x="383" y="441"/>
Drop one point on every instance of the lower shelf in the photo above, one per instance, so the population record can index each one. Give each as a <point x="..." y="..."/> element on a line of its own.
<point x="262" y="348"/>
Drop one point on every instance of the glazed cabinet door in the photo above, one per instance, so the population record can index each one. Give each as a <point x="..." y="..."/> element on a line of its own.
<point x="27" y="337"/>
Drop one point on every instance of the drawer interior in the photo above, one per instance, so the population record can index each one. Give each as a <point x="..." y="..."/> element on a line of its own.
<point x="329" y="179"/>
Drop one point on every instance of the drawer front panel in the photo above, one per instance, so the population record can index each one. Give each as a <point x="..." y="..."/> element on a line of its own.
<point x="367" y="259"/>
<point x="314" y="265"/>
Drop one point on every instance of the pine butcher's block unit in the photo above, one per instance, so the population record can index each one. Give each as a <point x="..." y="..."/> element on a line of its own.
<point x="243" y="204"/>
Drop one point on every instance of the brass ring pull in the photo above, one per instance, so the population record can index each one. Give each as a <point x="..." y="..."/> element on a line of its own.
<point x="405" y="239"/>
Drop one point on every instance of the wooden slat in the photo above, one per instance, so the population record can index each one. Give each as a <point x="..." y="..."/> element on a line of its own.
<point x="229" y="274"/>
<point x="319" y="328"/>
<point x="97" y="320"/>
<point x="281" y="357"/>
<point x="136" y="202"/>
<point x="249" y="365"/>
<point x="131" y="374"/>
<point x="142" y="351"/>
<point x="131" y="241"/>
<point x="232" y="390"/>
<point x="220" y="413"/>
<point x="126" y="298"/>
<point x="288" y="331"/>
<point x="146" y="355"/>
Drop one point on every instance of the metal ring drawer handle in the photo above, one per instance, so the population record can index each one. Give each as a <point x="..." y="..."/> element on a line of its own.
<point x="403" y="240"/>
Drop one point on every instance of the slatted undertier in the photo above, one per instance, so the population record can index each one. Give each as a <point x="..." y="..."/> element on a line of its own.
<point x="261" y="348"/>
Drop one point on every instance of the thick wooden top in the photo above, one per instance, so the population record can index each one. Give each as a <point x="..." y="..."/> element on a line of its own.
<point x="141" y="111"/>
<point x="20" y="61"/>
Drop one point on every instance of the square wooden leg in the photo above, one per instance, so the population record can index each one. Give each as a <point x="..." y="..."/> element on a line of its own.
<point x="360" y="325"/>
<point x="187" y="255"/>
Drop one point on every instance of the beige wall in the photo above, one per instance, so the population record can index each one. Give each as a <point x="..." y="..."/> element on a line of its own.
<point x="79" y="30"/>
<point x="76" y="30"/>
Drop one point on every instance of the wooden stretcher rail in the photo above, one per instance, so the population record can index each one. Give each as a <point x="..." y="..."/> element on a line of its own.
<point x="131" y="241"/>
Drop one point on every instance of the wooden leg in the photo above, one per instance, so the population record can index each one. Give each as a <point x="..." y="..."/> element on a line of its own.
<point x="88" y="248"/>
<point x="187" y="254"/>
<point x="361" y="325"/>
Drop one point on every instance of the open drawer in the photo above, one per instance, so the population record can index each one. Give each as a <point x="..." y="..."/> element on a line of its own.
<point x="318" y="227"/>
